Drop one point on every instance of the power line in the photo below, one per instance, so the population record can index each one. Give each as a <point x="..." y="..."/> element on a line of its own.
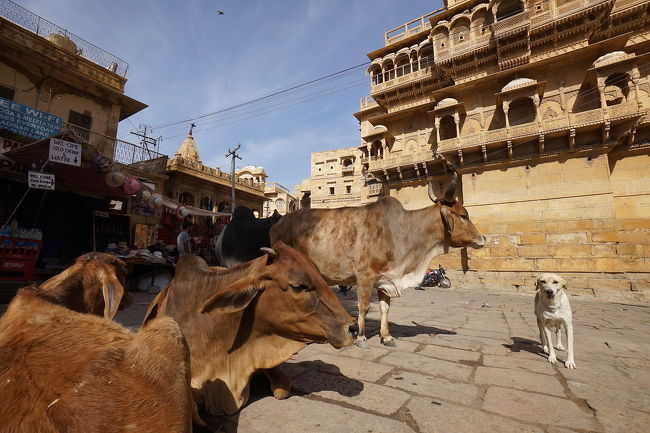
<point x="264" y="97"/>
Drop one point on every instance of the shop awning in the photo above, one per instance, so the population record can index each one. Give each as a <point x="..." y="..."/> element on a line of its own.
<point x="34" y="155"/>
<point x="83" y="177"/>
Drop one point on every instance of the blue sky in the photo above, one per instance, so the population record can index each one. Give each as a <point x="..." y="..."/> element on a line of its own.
<point x="187" y="61"/>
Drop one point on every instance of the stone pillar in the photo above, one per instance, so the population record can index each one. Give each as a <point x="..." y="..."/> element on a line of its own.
<point x="506" y="105"/>
<point x="437" y="123"/>
<point x="601" y="92"/>
<point x="537" y="101"/>
<point x="457" y="123"/>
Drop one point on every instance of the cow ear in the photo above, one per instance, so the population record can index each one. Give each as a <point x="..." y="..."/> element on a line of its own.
<point x="112" y="291"/>
<point x="157" y="306"/>
<point x="448" y="217"/>
<point x="270" y="253"/>
<point x="233" y="298"/>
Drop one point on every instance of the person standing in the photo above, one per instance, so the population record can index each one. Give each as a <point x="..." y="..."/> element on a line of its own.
<point x="183" y="240"/>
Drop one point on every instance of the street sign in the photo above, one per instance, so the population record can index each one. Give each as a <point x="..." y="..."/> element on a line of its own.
<point x="28" y="121"/>
<point x="40" y="180"/>
<point x="65" y="152"/>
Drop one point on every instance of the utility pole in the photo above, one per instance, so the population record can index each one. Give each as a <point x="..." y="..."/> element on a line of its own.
<point x="147" y="141"/>
<point x="233" y="154"/>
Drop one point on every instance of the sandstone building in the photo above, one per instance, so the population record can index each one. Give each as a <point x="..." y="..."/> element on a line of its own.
<point x="542" y="107"/>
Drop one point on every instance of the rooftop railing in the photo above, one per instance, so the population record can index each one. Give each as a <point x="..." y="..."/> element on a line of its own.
<point x="48" y="30"/>
<point x="411" y="28"/>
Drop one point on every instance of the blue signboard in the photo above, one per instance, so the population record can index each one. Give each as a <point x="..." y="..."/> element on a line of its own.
<point x="28" y="121"/>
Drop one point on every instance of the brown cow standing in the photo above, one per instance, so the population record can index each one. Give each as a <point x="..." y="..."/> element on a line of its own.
<point x="61" y="370"/>
<point x="250" y="317"/>
<point x="93" y="284"/>
<point x="378" y="245"/>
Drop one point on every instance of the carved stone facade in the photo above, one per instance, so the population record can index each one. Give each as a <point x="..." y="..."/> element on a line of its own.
<point x="542" y="107"/>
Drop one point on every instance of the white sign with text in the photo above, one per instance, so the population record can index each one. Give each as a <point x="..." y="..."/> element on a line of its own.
<point x="40" y="180"/>
<point x="65" y="152"/>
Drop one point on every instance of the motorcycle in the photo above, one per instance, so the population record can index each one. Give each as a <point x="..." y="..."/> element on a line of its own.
<point x="434" y="278"/>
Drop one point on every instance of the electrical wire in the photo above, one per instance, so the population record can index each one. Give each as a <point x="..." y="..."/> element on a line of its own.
<point x="293" y="89"/>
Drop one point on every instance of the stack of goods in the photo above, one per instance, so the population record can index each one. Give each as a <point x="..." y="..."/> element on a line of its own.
<point x="19" y="251"/>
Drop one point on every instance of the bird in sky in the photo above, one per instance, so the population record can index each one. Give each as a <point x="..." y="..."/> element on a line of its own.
<point x="219" y="12"/>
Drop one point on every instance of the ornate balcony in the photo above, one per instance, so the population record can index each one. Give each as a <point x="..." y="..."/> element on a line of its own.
<point x="402" y="75"/>
<point x="464" y="48"/>
<point x="401" y="160"/>
<point x="511" y="25"/>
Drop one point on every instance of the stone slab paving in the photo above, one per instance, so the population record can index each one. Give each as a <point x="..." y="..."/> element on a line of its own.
<point x="459" y="367"/>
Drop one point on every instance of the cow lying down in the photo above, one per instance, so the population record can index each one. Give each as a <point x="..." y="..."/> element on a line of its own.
<point x="250" y="317"/>
<point x="64" y="371"/>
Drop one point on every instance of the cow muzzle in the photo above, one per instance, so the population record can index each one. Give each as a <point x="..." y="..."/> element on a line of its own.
<point x="346" y="336"/>
<point x="479" y="242"/>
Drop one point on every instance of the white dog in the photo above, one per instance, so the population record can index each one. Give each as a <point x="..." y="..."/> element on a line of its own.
<point x="553" y="311"/>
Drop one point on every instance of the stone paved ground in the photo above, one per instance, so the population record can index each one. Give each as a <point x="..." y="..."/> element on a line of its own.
<point x="462" y="368"/>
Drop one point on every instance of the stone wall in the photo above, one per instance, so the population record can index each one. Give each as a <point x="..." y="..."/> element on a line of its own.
<point x="587" y="219"/>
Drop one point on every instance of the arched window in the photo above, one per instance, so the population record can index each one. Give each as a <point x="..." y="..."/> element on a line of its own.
<point x="426" y="56"/>
<point x="206" y="203"/>
<point x="376" y="76"/>
<point x="459" y="31"/>
<point x="186" y="198"/>
<point x="402" y="64"/>
<point x="376" y="150"/>
<point x="389" y="70"/>
<point x="347" y="163"/>
<point x="508" y="8"/>
<point x="521" y="111"/>
<point x="617" y="89"/>
<point x="447" y="127"/>
<point x="414" y="61"/>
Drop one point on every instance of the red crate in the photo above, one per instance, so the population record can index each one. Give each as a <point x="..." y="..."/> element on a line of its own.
<point x="17" y="270"/>
<point x="18" y="248"/>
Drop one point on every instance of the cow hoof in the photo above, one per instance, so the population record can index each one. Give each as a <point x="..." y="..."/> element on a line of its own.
<point x="389" y="343"/>
<point x="281" y="394"/>
<point x="363" y="344"/>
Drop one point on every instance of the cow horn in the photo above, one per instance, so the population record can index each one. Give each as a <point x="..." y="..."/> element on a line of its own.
<point x="270" y="251"/>
<point x="451" y="191"/>
<point x="432" y="196"/>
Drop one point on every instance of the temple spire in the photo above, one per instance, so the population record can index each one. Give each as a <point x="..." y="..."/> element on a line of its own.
<point x="188" y="149"/>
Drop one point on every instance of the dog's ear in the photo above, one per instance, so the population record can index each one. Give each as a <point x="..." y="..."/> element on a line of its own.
<point x="538" y="283"/>
<point x="563" y="282"/>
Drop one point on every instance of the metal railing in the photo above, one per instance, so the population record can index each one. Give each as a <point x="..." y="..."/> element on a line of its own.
<point x="122" y="152"/>
<point x="48" y="30"/>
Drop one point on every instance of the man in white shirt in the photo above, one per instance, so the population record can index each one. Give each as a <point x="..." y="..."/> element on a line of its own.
<point x="183" y="240"/>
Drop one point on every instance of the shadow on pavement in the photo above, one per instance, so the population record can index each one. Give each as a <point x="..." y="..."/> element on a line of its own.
<point x="307" y="377"/>
<point x="401" y="330"/>
<point x="524" y="344"/>
<point x="317" y="376"/>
